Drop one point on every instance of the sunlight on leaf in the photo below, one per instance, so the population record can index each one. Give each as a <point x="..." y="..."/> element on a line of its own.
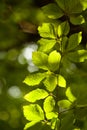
<point x="64" y="103"/>
<point x="34" y="78"/>
<point x="33" y="112"/>
<point x="61" y="81"/>
<point x="63" y="28"/>
<point x="50" y="82"/>
<point x="51" y="115"/>
<point x="28" y="125"/>
<point x="54" y="60"/>
<point x="46" y="30"/>
<point x="46" y="44"/>
<point x="49" y="104"/>
<point x="35" y="95"/>
<point x="40" y="59"/>
<point x="55" y="124"/>
<point x="69" y="95"/>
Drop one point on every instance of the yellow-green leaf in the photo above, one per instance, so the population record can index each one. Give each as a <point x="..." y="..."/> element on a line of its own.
<point x="69" y="95"/>
<point x="34" y="78"/>
<point x="61" y="81"/>
<point x="40" y="59"/>
<point x="64" y="103"/>
<point x="63" y="29"/>
<point x="46" y="30"/>
<point x="54" y="60"/>
<point x="33" y="112"/>
<point x="35" y="95"/>
<point x="50" y="82"/>
<point x="49" y="104"/>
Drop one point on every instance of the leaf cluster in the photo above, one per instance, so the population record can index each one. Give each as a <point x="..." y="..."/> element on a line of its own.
<point x="57" y="49"/>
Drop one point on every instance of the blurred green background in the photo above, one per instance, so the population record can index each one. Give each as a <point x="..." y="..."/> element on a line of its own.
<point x="18" y="23"/>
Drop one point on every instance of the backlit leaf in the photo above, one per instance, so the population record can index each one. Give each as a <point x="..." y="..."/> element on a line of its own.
<point x="49" y="104"/>
<point x="69" y="95"/>
<point x="55" y="124"/>
<point x="54" y="60"/>
<point x="74" y="40"/>
<point x="30" y="124"/>
<point x="51" y="115"/>
<point x="34" y="78"/>
<point x="50" y="82"/>
<point x="40" y="59"/>
<point x="63" y="28"/>
<point x="46" y="44"/>
<point x="64" y="103"/>
<point x="77" y="20"/>
<point x="35" y="95"/>
<point x="52" y="11"/>
<point x="61" y="81"/>
<point x="33" y="112"/>
<point x="38" y="126"/>
<point x="46" y="30"/>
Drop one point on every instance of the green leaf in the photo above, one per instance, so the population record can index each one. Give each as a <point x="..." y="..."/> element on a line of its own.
<point x="36" y="94"/>
<point x="40" y="59"/>
<point x="30" y="124"/>
<point x="34" y="78"/>
<point x="46" y="30"/>
<point x="38" y="126"/>
<point x="77" y="20"/>
<point x="49" y="104"/>
<point x="55" y="124"/>
<point x="54" y="60"/>
<point x="64" y="104"/>
<point x="50" y="82"/>
<point x="51" y="115"/>
<point x="84" y="4"/>
<point x="52" y="11"/>
<point x="69" y="95"/>
<point x="33" y="112"/>
<point x="64" y="43"/>
<point x="46" y="44"/>
<point x="63" y="28"/>
<point x="70" y="6"/>
<point x="74" y="40"/>
<point x="61" y="81"/>
<point x="78" y="56"/>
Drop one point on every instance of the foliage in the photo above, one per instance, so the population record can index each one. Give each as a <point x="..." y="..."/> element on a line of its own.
<point x="55" y="101"/>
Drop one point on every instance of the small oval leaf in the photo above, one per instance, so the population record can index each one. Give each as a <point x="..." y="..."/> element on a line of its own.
<point x="49" y="104"/>
<point x="54" y="60"/>
<point x="50" y="82"/>
<point x="46" y="30"/>
<point x="34" y="78"/>
<point x="40" y="59"/>
<point x="64" y="104"/>
<point x="33" y="112"/>
<point x="61" y="81"/>
<point x="36" y="94"/>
